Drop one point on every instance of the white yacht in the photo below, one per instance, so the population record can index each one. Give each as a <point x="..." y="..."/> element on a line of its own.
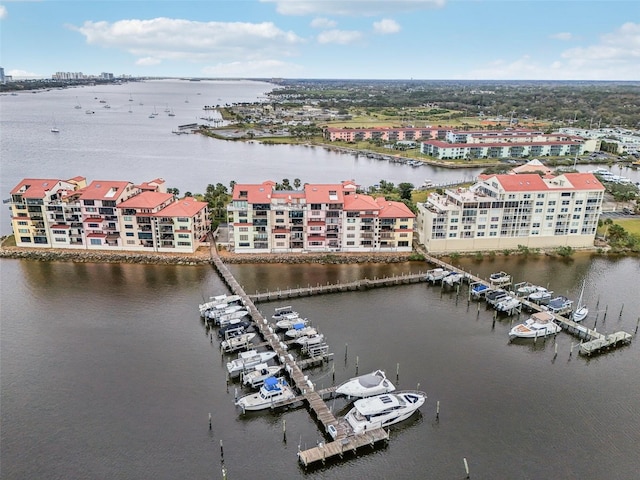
<point x="541" y="296"/>
<point x="436" y="274"/>
<point x="256" y="377"/>
<point x="540" y="324"/>
<point x="222" y="309"/>
<point x="507" y="304"/>
<point x="247" y="360"/>
<point x="227" y="318"/>
<point x="383" y="410"/>
<point x="499" y="278"/>
<point x="374" y="383"/>
<point x="273" y="390"/>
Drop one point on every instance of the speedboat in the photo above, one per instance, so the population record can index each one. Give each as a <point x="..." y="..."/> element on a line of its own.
<point x="479" y="289"/>
<point x="273" y="390"/>
<point x="436" y="275"/>
<point x="540" y="324"/>
<point x="280" y="312"/>
<point x="237" y="325"/>
<point x="300" y="329"/>
<point x="218" y="300"/>
<point x="222" y="309"/>
<point x="383" y="410"/>
<point x="309" y="339"/>
<point x="374" y="383"/>
<point x="249" y="359"/>
<point x="256" y="377"/>
<point x="238" y="342"/>
<point x="229" y="317"/>
<point x="559" y="305"/>
<point x="499" y="278"/>
<point x="289" y="320"/>
<point x="495" y="296"/>
<point x="541" y="296"/>
<point x="507" y="304"/>
<point x="453" y="278"/>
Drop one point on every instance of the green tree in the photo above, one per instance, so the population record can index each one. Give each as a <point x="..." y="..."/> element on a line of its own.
<point x="405" y="190"/>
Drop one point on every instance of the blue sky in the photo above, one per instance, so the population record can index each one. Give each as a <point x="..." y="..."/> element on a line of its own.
<point x="379" y="39"/>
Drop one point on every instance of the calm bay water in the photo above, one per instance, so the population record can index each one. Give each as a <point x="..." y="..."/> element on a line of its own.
<point x="106" y="371"/>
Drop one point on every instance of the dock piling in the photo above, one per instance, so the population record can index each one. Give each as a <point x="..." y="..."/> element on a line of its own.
<point x="357" y="358"/>
<point x="209" y="421"/>
<point x="221" y="451"/>
<point x="466" y="467"/>
<point x="620" y="315"/>
<point x="398" y="364"/>
<point x="438" y="410"/>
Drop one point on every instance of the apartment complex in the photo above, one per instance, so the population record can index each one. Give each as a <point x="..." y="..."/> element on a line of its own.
<point x="388" y="134"/>
<point x="105" y="215"/>
<point x="506" y="211"/>
<point x="505" y="143"/>
<point x="318" y="218"/>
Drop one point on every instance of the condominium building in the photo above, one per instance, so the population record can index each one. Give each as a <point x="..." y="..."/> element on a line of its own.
<point x="105" y="215"/>
<point x="507" y="211"/>
<point x="389" y="134"/>
<point x="319" y="218"/>
<point x="506" y="143"/>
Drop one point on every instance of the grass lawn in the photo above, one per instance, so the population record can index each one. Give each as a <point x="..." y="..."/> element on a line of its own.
<point x="631" y="225"/>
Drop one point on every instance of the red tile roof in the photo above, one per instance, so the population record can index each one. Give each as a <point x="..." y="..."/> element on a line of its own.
<point x="146" y="200"/>
<point x="35" y="187"/>
<point x="104" y="190"/>
<point x="583" y="181"/>
<point x="255" y="193"/>
<point x="359" y="202"/>
<point x="521" y="182"/>
<point x="187" y="207"/>
<point x="389" y="209"/>
<point x="322" y="193"/>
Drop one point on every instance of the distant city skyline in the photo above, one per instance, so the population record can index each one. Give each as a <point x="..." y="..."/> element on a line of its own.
<point x="357" y="39"/>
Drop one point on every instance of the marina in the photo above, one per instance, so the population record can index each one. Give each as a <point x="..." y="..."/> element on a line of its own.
<point x="350" y="434"/>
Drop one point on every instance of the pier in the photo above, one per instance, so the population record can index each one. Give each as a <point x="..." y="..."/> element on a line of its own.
<point x="345" y="440"/>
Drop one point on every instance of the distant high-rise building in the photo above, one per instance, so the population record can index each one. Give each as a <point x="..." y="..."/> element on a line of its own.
<point x="2" y="80"/>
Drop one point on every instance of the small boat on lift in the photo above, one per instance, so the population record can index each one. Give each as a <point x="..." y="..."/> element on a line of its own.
<point x="256" y="377"/>
<point x="281" y="312"/>
<point x="273" y="390"/>
<point x="247" y="360"/>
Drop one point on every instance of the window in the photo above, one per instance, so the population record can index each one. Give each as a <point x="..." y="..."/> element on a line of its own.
<point x="184" y="244"/>
<point x="94" y="225"/>
<point x="60" y="239"/>
<point x="127" y="226"/>
<point x="243" y="229"/>
<point x="23" y="230"/>
<point x="127" y="218"/>
<point x="96" y="241"/>
<point x="480" y="234"/>
<point x="22" y="223"/>
<point x="183" y="235"/>
<point x="244" y="237"/>
<point x="281" y="236"/>
<point x="453" y="235"/>
<point x="130" y="242"/>
<point x="59" y="232"/>
<point x="25" y="239"/>
<point x="403" y="244"/>
<point x="350" y="243"/>
<point x="130" y="234"/>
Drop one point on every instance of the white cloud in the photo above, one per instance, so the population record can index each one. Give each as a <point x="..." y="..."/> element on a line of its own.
<point x="176" y="39"/>
<point x="322" y="23"/>
<point x="3" y="12"/>
<point x="561" y="36"/>
<point x="148" y="61"/>
<point x="261" y="68"/>
<point x="341" y="37"/>
<point x="352" y="7"/>
<point x="616" y="56"/>
<point x="15" y="73"/>
<point x="386" y="26"/>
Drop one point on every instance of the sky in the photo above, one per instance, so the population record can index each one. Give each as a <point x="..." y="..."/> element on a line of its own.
<point x="346" y="39"/>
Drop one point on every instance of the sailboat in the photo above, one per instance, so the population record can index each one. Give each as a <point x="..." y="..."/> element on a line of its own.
<point x="77" y="106"/>
<point x="54" y="128"/>
<point x="581" y="311"/>
<point x="130" y="98"/>
<point x="171" y="114"/>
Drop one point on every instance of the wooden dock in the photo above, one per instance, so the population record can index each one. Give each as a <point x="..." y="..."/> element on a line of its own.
<point x="363" y="284"/>
<point x="340" y="446"/>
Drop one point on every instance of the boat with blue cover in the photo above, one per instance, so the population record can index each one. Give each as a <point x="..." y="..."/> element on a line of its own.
<point x="273" y="390"/>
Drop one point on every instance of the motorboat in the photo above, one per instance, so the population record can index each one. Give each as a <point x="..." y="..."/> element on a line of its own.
<point x="256" y="377"/>
<point x="300" y="329"/>
<point x="581" y="312"/>
<point x="247" y="360"/>
<point x="280" y="312"/>
<point x="289" y="320"/>
<point x="479" y="290"/>
<point x="453" y="278"/>
<point x="374" y="383"/>
<point x="309" y="339"/>
<point x="238" y="325"/>
<point x="499" y="278"/>
<point x="507" y="304"/>
<point x="495" y="296"/>
<point x="239" y="342"/>
<point x="222" y="309"/>
<point x="540" y="324"/>
<point x="525" y="289"/>
<point x="383" y="410"/>
<point x="541" y="296"/>
<point x="272" y="391"/>
<point x="229" y="317"/>
<point x="559" y="305"/>
<point x="437" y="274"/>
<point x="218" y="300"/>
